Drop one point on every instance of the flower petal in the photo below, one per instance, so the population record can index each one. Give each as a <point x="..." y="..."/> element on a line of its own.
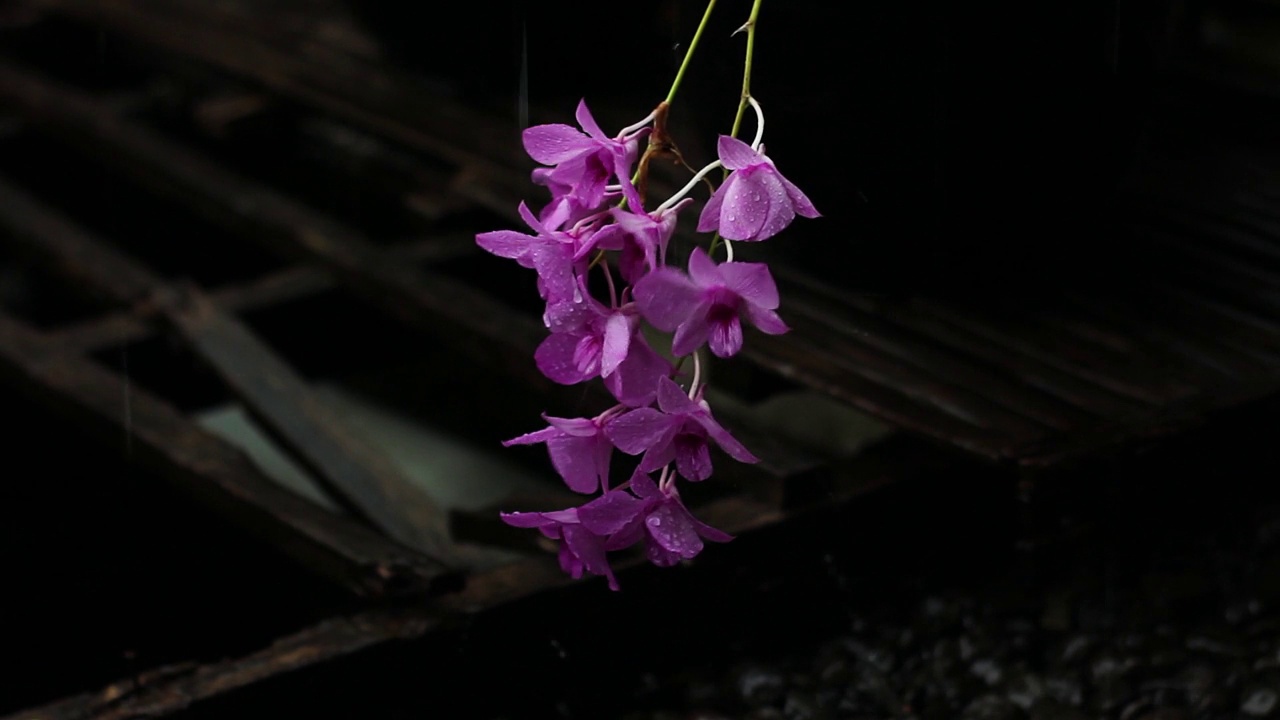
<point x="644" y="487"/>
<point x="766" y="320"/>
<point x="576" y="427"/>
<point x="693" y="332"/>
<point x="610" y="512"/>
<point x="638" y="430"/>
<point x="553" y="144"/>
<point x="553" y="262"/>
<point x="574" y="458"/>
<point x="693" y="458"/>
<point x="525" y="519"/>
<point x="672" y="530"/>
<point x="725" y="336"/>
<point x="618" y="331"/>
<point x="727" y="442"/>
<point x="532" y="438"/>
<point x="735" y="154"/>
<point x="507" y="244"/>
<point x="703" y="270"/>
<point x="798" y="199"/>
<point x="660" y="556"/>
<point x="745" y="208"/>
<point x="752" y="281"/>
<point x="709" y="219"/>
<point x="773" y="196"/>
<point x="589" y="548"/>
<point x="588" y="123"/>
<point x="708" y="532"/>
<point x="673" y="400"/>
<point x="665" y="297"/>
<point x="555" y="358"/>
<point x="636" y="380"/>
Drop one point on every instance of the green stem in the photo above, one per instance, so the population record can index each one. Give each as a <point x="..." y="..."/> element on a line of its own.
<point x="746" y="67"/>
<point x="750" y="27"/>
<point x="688" y="55"/>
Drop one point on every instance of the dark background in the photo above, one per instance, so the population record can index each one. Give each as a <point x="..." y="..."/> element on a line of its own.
<point x="940" y="140"/>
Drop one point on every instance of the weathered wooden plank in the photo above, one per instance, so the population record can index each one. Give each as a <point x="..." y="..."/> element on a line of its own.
<point x="284" y="403"/>
<point x="88" y="264"/>
<point x="471" y="321"/>
<point x="217" y="474"/>
<point x="368" y="96"/>
<point x="163" y="691"/>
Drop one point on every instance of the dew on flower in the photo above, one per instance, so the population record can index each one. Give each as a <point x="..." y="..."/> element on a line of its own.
<point x="606" y="274"/>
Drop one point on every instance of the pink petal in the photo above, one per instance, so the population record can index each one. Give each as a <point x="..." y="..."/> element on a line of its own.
<point x="567" y="316"/>
<point x="745" y="207"/>
<point x="554" y="265"/>
<point x="693" y="458"/>
<point x="735" y="154"/>
<point x="506" y="244"/>
<point x="532" y="438"/>
<point x="627" y="535"/>
<point x="709" y="220"/>
<point x="589" y="548"/>
<point x="660" y="556"/>
<point x="673" y="532"/>
<point x="532" y="221"/>
<point x="766" y="320"/>
<point x="752" y="281"/>
<point x="799" y="200"/>
<point x="638" y="430"/>
<point x="635" y="381"/>
<point x="610" y="512"/>
<point x="726" y="441"/>
<point x="690" y="335"/>
<point x="703" y="270"/>
<point x="524" y="519"/>
<point x="554" y="358"/>
<point x="778" y="213"/>
<point x="708" y="532"/>
<point x="553" y="144"/>
<point x="588" y="123"/>
<point x="617" y="341"/>
<point x="673" y="400"/>
<point x="665" y="297"/>
<point x="644" y="486"/>
<point x="661" y="454"/>
<point x="574" y="459"/>
<point x="725" y="337"/>
<point x="576" y="427"/>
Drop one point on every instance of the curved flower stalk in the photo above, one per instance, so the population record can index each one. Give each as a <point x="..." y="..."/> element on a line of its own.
<point x="596" y="222"/>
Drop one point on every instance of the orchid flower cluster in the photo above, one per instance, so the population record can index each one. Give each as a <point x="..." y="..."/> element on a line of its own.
<point x="597" y="222"/>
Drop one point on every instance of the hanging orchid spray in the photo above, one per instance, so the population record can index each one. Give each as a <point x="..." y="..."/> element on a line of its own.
<point x="596" y="222"/>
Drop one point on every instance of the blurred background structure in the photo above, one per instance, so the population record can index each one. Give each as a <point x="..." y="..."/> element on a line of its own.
<point x="257" y="371"/>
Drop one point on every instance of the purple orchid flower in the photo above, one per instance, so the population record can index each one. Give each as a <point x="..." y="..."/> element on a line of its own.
<point x="589" y="339"/>
<point x="584" y="163"/>
<point x="755" y="202"/>
<point x="709" y="302"/>
<point x="579" y="449"/>
<point x="564" y="208"/>
<point x="580" y="549"/>
<point x="655" y="515"/>
<point x="678" y="431"/>
<point x="642" y="238"/>
<point x="551" y="253"/>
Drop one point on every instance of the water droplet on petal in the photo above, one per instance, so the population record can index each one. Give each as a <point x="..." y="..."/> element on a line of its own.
<point x="655" y="521"/>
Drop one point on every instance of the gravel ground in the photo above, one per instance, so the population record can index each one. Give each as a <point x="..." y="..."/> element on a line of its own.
<point x="1184" y="627"/>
